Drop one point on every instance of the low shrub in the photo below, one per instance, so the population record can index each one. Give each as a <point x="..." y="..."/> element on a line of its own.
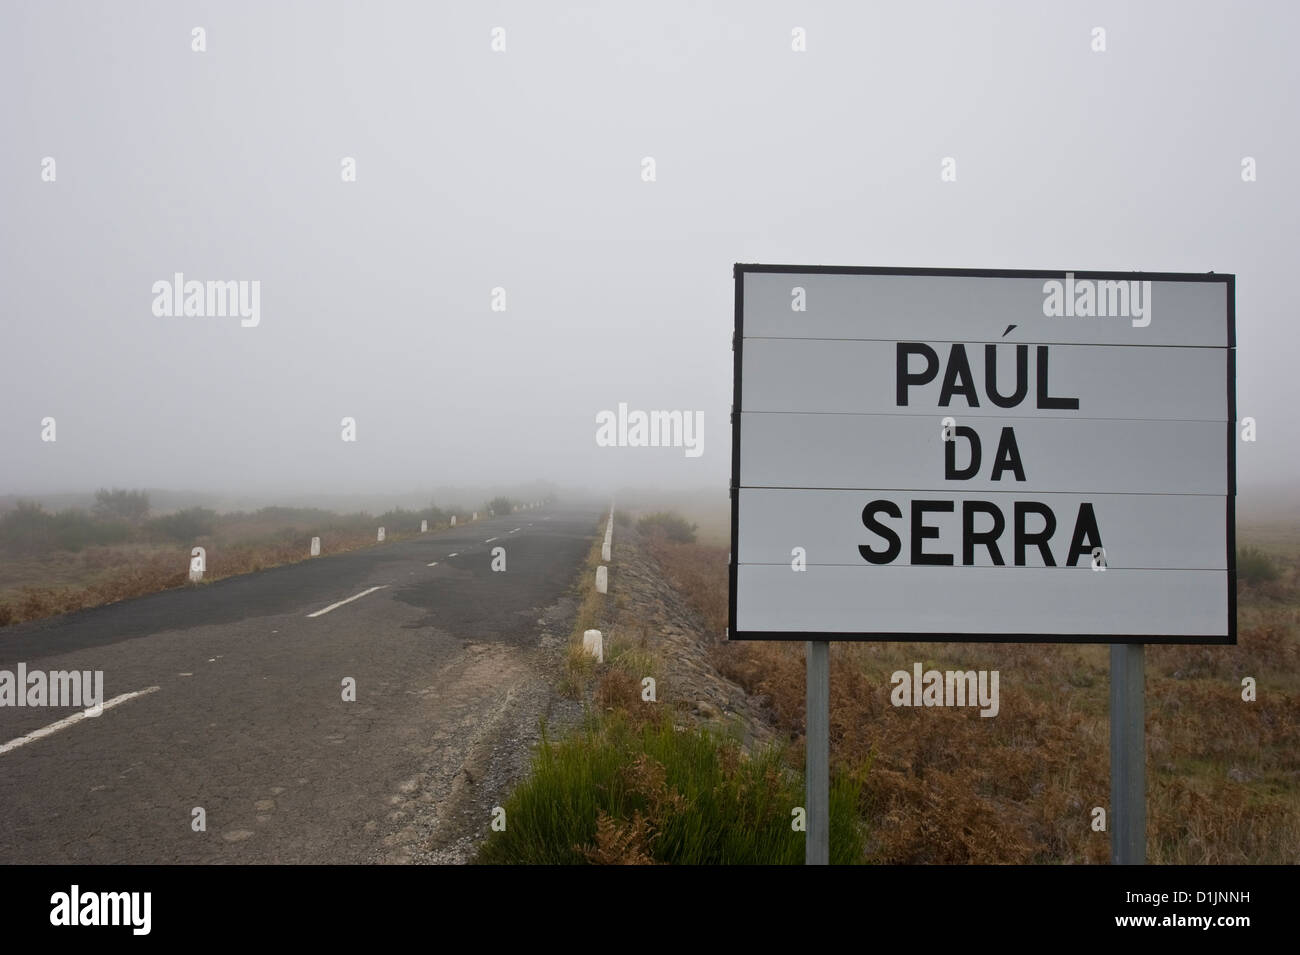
<point x="668" y="524"/>
<point x="648" y="793"/>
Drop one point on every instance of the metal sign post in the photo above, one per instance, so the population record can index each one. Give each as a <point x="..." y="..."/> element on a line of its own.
<point x="1128" y="777"/>
<point x="817" y="736"/>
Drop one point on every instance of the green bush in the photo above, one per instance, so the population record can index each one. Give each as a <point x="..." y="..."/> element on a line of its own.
<point x="1254" y="566"/>
<point x="668" y="524"/>
<point x="278" y="514"/>
<point x="184" y="526"/>
<point x="119" y="504"/>
<point x="399" y="521"/>
<point x="653" y="793"/>
<point x="75" y="529"/>
<point x="500" y="505"/>
<point x="28" y="530"/>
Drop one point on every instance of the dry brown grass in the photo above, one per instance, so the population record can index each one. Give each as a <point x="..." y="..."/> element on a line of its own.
<point x="617" y="690"/>
<point x="104" y="575"/>
<point x="948" y="786"/>
<point x="144" y="574"/>
<point x="695" y="572"/>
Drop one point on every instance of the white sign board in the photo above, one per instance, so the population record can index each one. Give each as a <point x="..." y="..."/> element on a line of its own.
<point x="959" y="455"/>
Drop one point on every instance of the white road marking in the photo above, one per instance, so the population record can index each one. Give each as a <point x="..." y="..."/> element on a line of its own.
<point x="489" y="540"/>
<point x="335" y="606"/>
<point x="434" y="564"/>
<point x="69" y="721"/>
<point x="449" y="556"/>
<point x="516" y="530"/>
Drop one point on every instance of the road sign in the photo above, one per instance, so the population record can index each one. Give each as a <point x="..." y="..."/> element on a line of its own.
<point x="962" y="455"/>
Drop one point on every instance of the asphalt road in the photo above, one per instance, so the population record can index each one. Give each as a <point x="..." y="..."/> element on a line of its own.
<point x="248" y="722"/>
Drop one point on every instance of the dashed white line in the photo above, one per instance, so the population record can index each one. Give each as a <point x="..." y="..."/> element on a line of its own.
<point x="516" y="530"/>
<point x="449" y="556"/>
<point x="489" y="540"/>
<point x="71" y="720"/>
<point x="335" y="606"/>
<point x="434" y="564"/>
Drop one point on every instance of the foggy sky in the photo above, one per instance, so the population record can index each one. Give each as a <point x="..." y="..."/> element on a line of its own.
<point x="522" y="170"/>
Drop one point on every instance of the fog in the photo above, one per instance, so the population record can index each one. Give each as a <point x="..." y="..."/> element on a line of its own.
<point x="522" y="170"/>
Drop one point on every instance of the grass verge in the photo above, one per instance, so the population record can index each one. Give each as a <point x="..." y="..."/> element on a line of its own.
<point x="643" y="791"/>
